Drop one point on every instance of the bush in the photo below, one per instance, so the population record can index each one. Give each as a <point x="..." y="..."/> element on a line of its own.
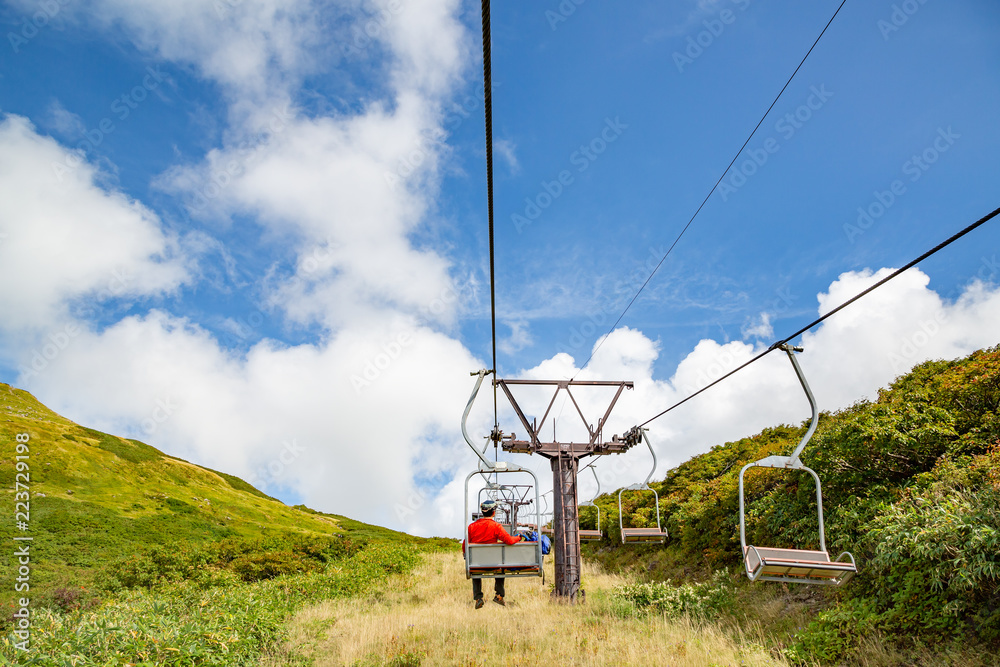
<point x="705" y="600"/>
<point x="182" y="624"/>
<point x="215" y="563"/>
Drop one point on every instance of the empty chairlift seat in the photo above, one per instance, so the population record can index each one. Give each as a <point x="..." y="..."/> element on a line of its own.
<point x="797" y="566"/>
<point x="648" y="535"/>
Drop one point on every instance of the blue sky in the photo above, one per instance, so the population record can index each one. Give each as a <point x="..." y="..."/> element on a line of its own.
<point x="229" y="228"/>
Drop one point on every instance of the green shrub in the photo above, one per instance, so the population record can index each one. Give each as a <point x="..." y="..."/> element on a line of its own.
<point x="835" y="633"/>
<point x="704" y="600"/>
<point x="182" y="624"/>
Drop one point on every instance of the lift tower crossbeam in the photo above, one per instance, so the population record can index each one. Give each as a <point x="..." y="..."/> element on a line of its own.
<point x="564" y="458"/>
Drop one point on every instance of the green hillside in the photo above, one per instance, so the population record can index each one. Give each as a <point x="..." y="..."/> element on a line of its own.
<point x="911" y="486"/>
<point x="98" y="498"/>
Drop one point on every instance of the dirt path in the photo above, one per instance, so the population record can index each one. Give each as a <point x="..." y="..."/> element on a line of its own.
<point x="428" y="619"/>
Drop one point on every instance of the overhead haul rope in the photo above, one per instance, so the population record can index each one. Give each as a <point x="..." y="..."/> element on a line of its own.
<point x="809" y="326"/>
<point x="712" y="191"/>
<point x="488" y="104"/>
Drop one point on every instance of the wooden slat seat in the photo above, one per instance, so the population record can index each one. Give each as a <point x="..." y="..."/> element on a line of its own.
<point x="643" y="535"/>
<point x="796" y="565"/>
<point x="591" y="535"/>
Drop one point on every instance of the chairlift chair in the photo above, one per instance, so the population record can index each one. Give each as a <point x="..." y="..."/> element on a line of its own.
<point x="797" y="566"/>
<point x="593" y="535"/>
<point x="489" y="561"/>
<point x="642" y="535"/>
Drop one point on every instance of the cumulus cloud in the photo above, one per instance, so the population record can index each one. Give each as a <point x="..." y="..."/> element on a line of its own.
<point x="847" y="358"/>
<point x="345" y="426"/>
<point x="67" y="236"/>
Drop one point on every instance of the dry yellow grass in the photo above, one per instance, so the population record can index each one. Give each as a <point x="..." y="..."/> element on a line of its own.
<point x="428" y="619"/>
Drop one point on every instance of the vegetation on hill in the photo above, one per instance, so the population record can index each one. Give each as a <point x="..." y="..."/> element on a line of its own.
<point x="911" y="487"/>
<point x="140" y="557"/>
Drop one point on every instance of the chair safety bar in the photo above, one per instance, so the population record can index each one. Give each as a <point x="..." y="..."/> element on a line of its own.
<point x="637" y="535"/>
<point x="794" y="565"/>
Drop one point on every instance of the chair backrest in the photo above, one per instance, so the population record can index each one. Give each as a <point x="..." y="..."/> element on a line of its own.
<point x="484" y="556"/>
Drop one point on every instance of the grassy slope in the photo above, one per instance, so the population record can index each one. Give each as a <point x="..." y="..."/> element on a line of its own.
<point x="428" y="618"/>
<point x="96" y="497"/>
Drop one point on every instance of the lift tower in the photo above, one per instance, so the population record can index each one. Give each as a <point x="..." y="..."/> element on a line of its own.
<point x="564" y="458"/>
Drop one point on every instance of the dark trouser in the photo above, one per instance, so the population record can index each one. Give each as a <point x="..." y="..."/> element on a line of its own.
<point x="477" y="588"/>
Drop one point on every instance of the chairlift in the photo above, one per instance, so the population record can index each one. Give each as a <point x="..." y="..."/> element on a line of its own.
<point x="510" y="498"/>
<point x="797" y="566"/>
<point x="489" y="561"/>
<point x="642" y="535"/>
<point x="593" y="535"/>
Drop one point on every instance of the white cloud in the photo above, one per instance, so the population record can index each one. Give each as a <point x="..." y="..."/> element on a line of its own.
<point x="520" y="337"/>
<point x="354" y="449"/>
<point x="507" y="150"/>
<point x="64" y="121"/>
<point x="759" y="328"/>
<point x="254" y="48"/>
<point x="68" y="237"/>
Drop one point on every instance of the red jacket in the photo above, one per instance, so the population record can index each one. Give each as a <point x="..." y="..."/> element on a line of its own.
<point x="488" y="531"/>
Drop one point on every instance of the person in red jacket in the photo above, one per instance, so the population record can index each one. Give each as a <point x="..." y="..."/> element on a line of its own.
<point x="488" y="531"/>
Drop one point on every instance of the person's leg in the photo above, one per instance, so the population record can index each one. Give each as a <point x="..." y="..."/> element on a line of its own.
<point x="477" y="589"/>
<point x="498" y="587"/>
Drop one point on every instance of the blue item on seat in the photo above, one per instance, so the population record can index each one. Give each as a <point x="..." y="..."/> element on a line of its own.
<point x="546" y="543"/>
